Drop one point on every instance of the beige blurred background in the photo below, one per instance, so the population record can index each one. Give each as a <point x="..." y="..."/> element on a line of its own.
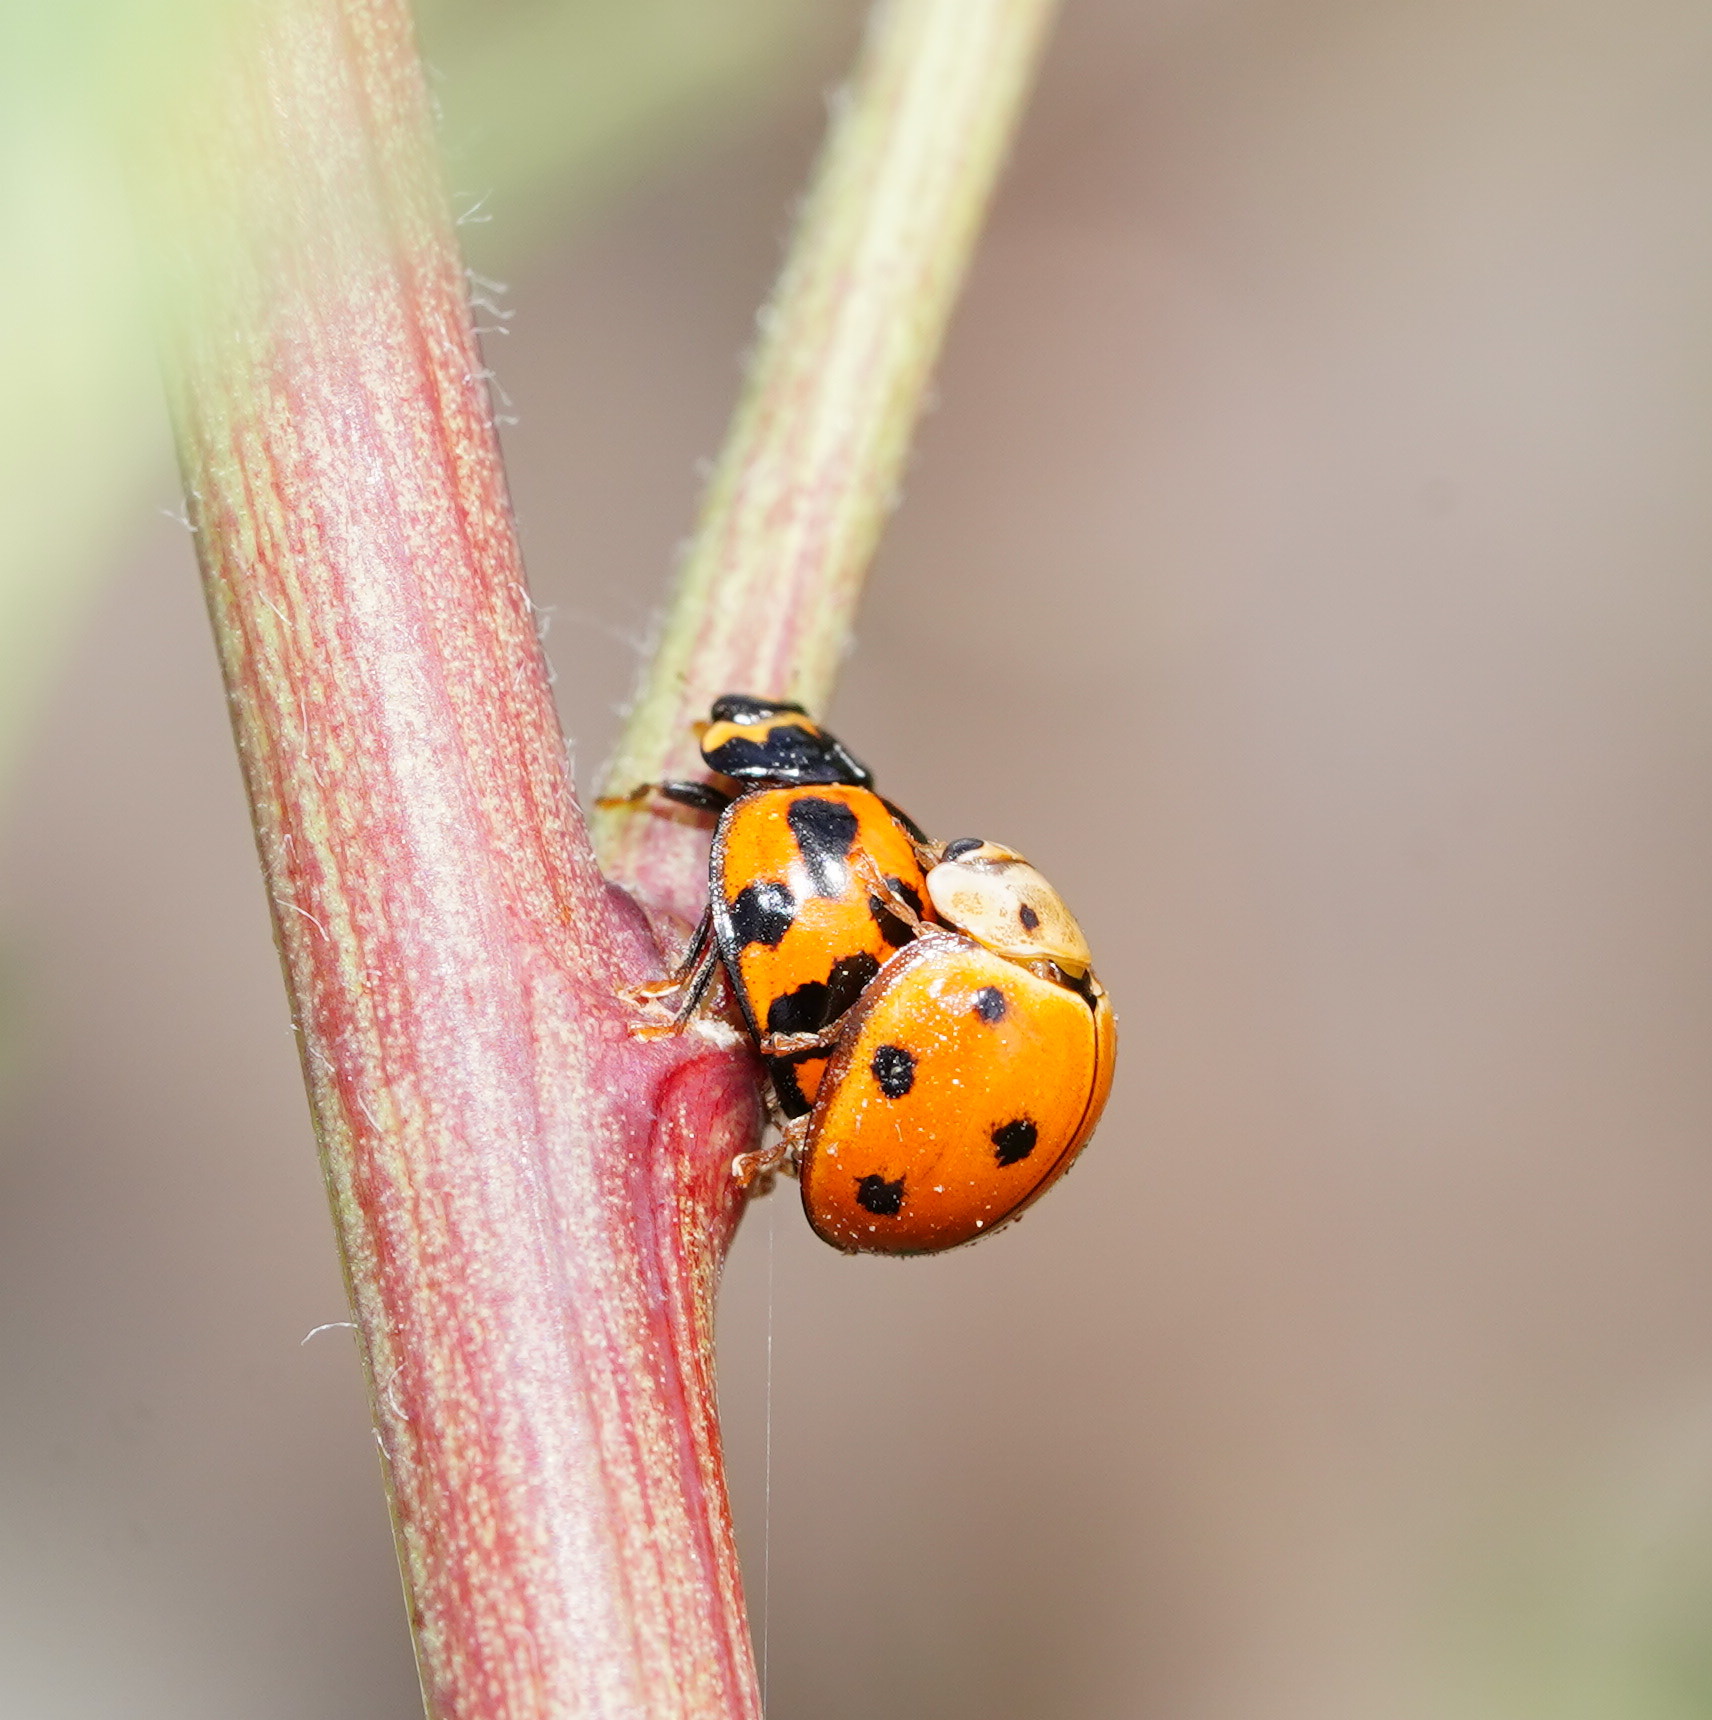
<point x="1306" y="564"/>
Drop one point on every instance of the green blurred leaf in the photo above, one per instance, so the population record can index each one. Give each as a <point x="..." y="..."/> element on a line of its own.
<point x="548" y="108"/>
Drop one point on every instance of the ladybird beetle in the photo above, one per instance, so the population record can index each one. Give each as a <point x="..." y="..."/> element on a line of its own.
<point x="970" y="1072"/>
<point x="814" y="881"/>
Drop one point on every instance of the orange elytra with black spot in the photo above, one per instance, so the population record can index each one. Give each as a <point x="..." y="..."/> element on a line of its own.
<point x="969" y="1074"/>
<point x="796" y="917"/>
<point x="808" y="872"/>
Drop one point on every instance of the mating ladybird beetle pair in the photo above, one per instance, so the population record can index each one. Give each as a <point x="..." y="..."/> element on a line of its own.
<point x="937" y="1044"/>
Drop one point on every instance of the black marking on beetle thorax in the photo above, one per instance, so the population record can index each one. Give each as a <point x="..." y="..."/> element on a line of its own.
<point x="894" y="1070"/>
<point x="818" y="1003"/>
<point x="884" y="1199"/>
<point x="825" y="832"/>
<point x="762" y="914"/>
<point x="746" y="708"/>
<point x="1030" y="919"/>
<point x="787" y="753"/>
<point x="1014" y="1141"/>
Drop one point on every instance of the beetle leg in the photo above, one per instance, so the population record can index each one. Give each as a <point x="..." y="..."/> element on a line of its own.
<point x="688" y="969"/>
<point x="694" y="974"/>
<point x="919" y="838"/>
<point x="698" y="796"/>
<point x="789" y="1044"/>
<point x="928" y="853"/>
<point x="881" y="888"/>
<point x="795" y="1136"/>
<point x="756" y="1170"/>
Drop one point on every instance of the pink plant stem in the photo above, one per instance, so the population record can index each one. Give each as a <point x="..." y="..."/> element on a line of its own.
<point x="532" y="1205"/>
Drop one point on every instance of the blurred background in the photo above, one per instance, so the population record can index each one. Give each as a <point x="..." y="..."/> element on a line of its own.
<point x="1306" y="565"/>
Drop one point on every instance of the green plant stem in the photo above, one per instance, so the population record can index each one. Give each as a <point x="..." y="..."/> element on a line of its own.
<point x="813" y="460"/>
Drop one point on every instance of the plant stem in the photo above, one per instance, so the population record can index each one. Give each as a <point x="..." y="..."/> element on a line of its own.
<point x="532" y="1205"/>
<point x="815" y="454"/>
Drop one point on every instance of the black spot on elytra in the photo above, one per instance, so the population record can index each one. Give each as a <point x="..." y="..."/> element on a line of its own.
<point x="894" y="1069"/>
<point x="799" y="1011"/>
<point x="826" y="832"/>
<point x="990" y="1003"/>
<point x="896" y="931"/>
<point x="793" y="1101"/>
<point x="762" y="914"/>
<point x="818" y="1003"/>
<point x="884" y="1199"/>
<point x="848" y="980"/>
<point x="1030" y="919"/>
<point x="1015" y="1140"/>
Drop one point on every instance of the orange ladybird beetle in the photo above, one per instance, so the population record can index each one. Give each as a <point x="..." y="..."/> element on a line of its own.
<point x="970" y="1072"/>
<point x="938" y="1045"/>
<point x="814" y="881"/>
